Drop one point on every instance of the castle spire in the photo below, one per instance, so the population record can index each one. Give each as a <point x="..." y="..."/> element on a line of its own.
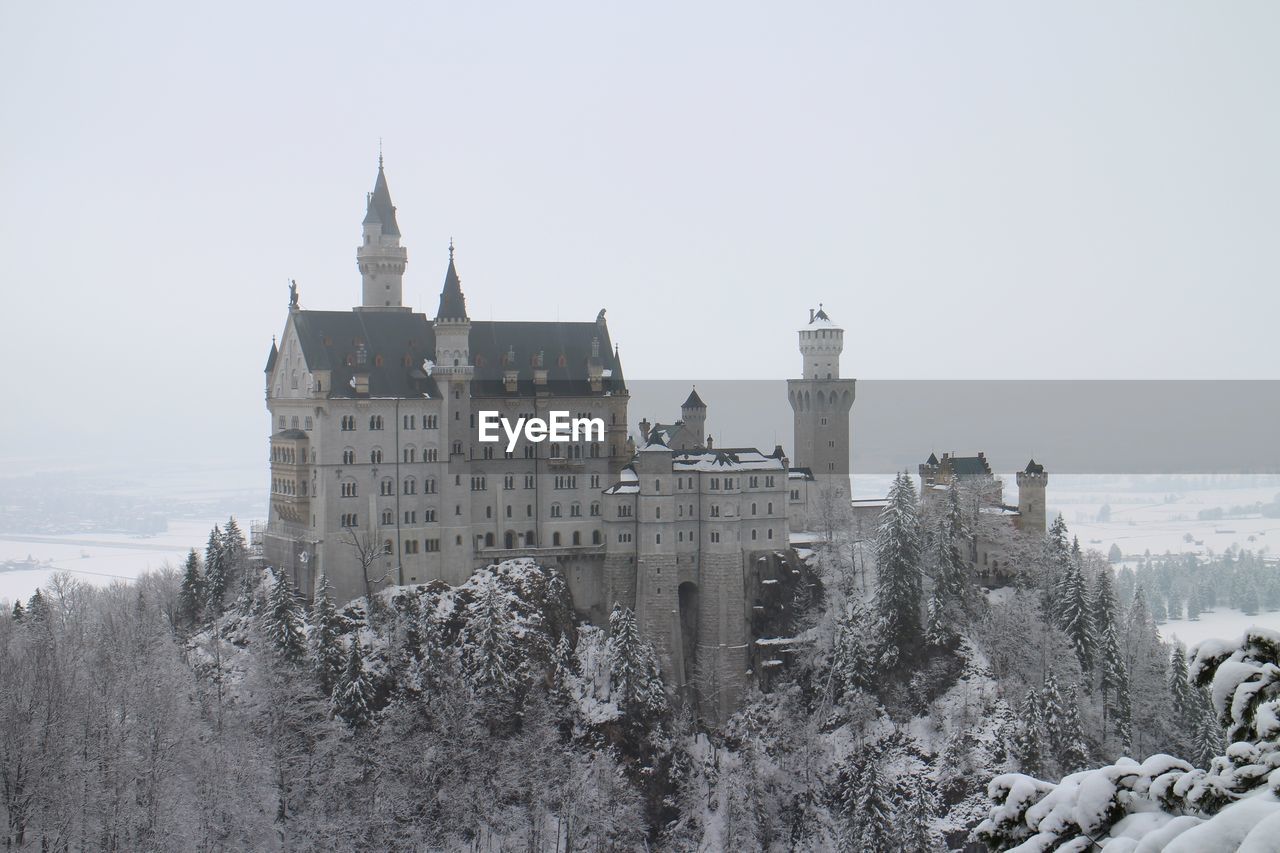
<point x="380" y="210"/>
<point x="453" y="305"/>
<point x="380" y="256"/>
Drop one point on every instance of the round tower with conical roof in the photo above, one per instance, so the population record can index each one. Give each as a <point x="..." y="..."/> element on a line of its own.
<point x="380" y="257"/>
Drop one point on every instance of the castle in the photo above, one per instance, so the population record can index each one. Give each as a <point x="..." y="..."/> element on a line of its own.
<point x="378" y="476"/>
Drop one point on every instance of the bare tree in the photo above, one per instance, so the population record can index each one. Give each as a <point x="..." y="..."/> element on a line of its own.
<point x="368" y="547"/>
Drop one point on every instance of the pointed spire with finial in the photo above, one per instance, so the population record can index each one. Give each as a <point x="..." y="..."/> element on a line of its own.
<point x="381" y="211"/>
<point x="453" y="305"/>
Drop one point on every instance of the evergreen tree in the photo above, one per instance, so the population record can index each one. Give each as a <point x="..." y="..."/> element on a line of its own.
<point x="1114" y="555"/>
<point x="1186" y="705"/>
<point x="492" y="661"/>
<point x="1061" y="719"/>
<point x="1158" y="614"/>
<point x="936" y="632"/>
<point x="1030" y="748"/>
<point x="1249" y="599"/>
<point x="1194" y="605"/>
<point x="1075" y="615"/>
<point x="215" y="573"/>
<point x="191" y="592"/>
<point x="37" y="606"/>
<point x="918" y="834"/>
<point x="1208" y="733"/>
<point x="354" y="693"/>
<point x="18" y="612"/>
<point x="1114" y="682"/>
<point x="898" y="581"/>
<point x="948" y="565"/>
<point x="283" y="621"/>
<point x="634" y="678"/>
<point x="868" y="814"/>
<point x="1055" y="558"/>
<point x="853" y="662"/>
<point x="326" y="646"/>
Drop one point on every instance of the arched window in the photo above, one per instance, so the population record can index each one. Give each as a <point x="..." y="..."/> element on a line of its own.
<point x="595" y="537"/>
<point x="488" y="540"/>
<point x="577" y="538"/>
<point x="555" y="538"/>
<point x="530" y="539"/>
<point x="386" y="546"/>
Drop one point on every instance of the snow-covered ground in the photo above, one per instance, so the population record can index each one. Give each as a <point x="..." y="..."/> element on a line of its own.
<point x="99" y="558"/>
<point x="1221" y="623"/>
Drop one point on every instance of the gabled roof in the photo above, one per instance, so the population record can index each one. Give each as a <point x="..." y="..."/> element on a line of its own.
<point x="332" y="340"/>
<point x="932" y="460"/>
<point x="1034" y="467"/>
<point x="453" y="305"/>
<point x="381" y="210"/>
<point x="693" y="401"/>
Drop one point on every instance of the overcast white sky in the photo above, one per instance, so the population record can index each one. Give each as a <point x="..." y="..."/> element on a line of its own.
<point x="975" y="190"/>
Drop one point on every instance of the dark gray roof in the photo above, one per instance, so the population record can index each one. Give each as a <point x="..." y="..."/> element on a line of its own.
<point x="395" y="344"/>
<point x="969" y="466"/>
<point x="381" y="210"/>
<point x="271" y="356"/>
<point x="453" y="305"/>
<point x="694" y="401"/>
<point x="1034" y="467"/>
<point x="932" y="460"/>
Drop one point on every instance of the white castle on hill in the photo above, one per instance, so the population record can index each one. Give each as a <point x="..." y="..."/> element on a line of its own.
<point x="378" y="475"/>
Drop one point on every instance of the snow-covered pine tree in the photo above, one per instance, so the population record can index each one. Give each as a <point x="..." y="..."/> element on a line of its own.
<point x="1074" y="615"/>
<point x="191" y="592"/>
<point x="1186" y="704"/>
<point x="215" y="573"/>
<point x="917" y="833"/>
<point x="1207" y="736"/>
<point x="1054" y="557"/>
<point x="18" y="612"/>
<point x="936" y="631"/>
<point x="354" y="693"/>
<point x="1030" y="746"/>
<point x="948" y="565"/>
<point x="283" y="621"/>
<point x="1158" y="613"/>
<point x="492" y="661"/>
<point x="1194" y="604"/>
<point x="634" y="678"/>
<point x="1062" y="723"/>
<point x="1113" y="680"/>
<point x="327" y="657"/>
<point x="1250" y="601"/>
<point x="867" y="813"/>
<point x="1114" y="555"/>
<point x="852" y="661"/>
<point x="898" y="582"/>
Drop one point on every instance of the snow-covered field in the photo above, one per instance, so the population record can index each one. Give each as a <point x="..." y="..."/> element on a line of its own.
<point x="1221" y="623"/>
<point x="98" y="558"/>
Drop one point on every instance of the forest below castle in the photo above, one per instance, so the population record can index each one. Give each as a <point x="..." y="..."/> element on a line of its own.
<point x="212" y="708"/>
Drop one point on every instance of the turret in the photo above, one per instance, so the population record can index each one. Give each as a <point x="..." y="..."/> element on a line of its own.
<point x="380" y="257"/>
<point x="1032" y="482"/>
<point x="694" y="414"/>
<point x="821" y="343"/>
<point x="821" y="401"/>
<point x="453" y="328"/>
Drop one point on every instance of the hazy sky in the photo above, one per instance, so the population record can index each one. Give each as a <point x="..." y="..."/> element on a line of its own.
<point x="975" y="190"/>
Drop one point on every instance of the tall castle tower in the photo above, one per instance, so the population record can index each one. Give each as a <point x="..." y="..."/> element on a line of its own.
<point x="380" y="257"/>
<point x="1031" y="506"/>
<point x="821" y="401"/>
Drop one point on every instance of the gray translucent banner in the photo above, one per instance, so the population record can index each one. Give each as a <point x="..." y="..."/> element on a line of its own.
<point x="1070" y="426"/>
